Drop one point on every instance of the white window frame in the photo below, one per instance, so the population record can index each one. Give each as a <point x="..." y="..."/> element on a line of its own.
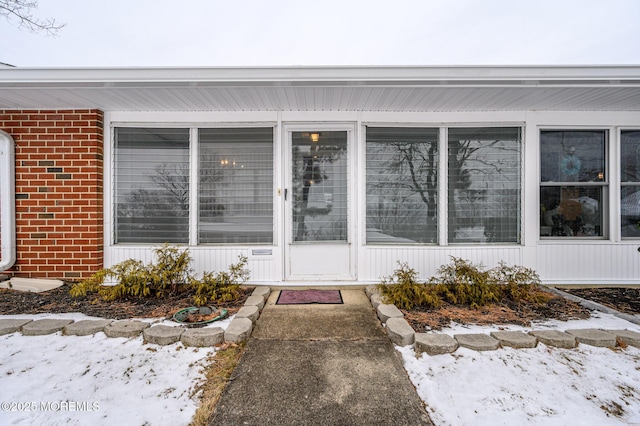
<point x="607" y="185"/>
<point x="193" y="128"/>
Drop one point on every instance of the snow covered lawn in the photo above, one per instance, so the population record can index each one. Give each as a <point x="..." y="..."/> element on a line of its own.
<point x="543" y="386"/>
<point x="80" y="380"/>
<point x="97" y="380"/>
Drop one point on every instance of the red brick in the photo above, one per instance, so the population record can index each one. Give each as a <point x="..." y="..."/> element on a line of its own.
<point x="70" y="139"/>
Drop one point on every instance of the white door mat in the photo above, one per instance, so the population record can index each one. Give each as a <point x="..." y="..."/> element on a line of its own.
<point x="34" y="285"/>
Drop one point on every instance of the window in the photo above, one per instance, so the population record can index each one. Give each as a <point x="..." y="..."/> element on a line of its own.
<point x="235" y="195"/>
<point x="630" y="181"/>
<point x="319" y="186"/>
<point x="573" y="188"/>
<point x="402" y="185"/>
<point x="151" y="185"/>
<point x="484" y="185"/>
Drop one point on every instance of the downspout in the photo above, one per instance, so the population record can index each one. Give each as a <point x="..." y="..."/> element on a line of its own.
<point x="7" y="201"/>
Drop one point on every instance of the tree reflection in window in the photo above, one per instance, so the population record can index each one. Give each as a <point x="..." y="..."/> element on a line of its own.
<point x="402" y="185"/>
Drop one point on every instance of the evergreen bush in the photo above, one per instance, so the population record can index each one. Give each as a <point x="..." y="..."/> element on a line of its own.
<point x="462" y="283"/>
<point x="169" y="275"/>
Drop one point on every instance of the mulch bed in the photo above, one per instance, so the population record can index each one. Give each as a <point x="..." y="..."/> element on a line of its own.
<point x="58" y="300"/>
<point x="522" y="313"/>
<point x="622" y="299"/>
<point x="422" y="319"/>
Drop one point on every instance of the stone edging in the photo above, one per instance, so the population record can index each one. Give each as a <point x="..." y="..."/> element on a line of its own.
<point x="402" y="334"/>
<point x="238" y="330"/>
<point x="594" y="306"/>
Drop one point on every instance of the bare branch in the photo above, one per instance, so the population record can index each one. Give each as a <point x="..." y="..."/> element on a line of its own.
<point x="22" y="11"/>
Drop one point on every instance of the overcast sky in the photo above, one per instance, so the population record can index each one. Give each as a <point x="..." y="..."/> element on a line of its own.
<point x="328" y="32"/>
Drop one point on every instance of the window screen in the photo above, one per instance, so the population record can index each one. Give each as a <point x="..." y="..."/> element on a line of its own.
<point x="484" y="173"/>
<point x="402" y="185"/>
<point x="151" y="180"/>
<point x="235" y="196"/>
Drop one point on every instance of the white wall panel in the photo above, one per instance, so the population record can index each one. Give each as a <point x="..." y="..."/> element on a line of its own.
<point x="262" y="267"/>
<point x="377" y="262"/>
<point x="602" y="263"/>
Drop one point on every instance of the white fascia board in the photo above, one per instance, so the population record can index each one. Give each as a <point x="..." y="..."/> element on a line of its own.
<point x="330" y="75"/>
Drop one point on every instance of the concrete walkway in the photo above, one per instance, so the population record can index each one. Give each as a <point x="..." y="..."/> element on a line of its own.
<point x="320" y="365"/>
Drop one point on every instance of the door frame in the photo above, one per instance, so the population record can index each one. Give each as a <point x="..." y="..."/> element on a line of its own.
<point x="286" y="235"/>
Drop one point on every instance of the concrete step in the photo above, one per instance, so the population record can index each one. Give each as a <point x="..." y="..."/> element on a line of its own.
<point x="202" y="337"/>
<point x="388" y="311"/>
<point x="86" y="327"/>
<point x="515" y="339"/>
<point x="10" y="325"/>
<point x="555" y="338"/>
<point x="594" y="337"/>
<point x="162" y="334"/>
<point x="125" y="328"/>
<point x="238" y="330"/>
<point x="477" y="342"/>
<point x="627" y="337"/>
<point x="400" y="332"/>
<point x="250" y="312"/>
<point x="434" y="344"/>
<point x="44" y="326"/>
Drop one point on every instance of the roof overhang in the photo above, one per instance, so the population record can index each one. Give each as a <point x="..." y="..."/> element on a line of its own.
<point x="408" y="88"/>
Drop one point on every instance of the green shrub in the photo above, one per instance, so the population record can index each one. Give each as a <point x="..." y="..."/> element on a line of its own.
<point x="462" y="283"/>
<point x="169" y="275"/>
<point x="171" y="271"/>
<point x="465" y="283"/>
<point x="519" y="283"/>
<point x="403" y="289"/>
<point x="220" y="286"/>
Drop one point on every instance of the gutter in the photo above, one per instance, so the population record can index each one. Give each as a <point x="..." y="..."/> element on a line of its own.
<point x="7" y="201"/>
<point x="136" y="77"/>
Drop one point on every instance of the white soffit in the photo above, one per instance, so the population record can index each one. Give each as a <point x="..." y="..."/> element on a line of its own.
<point x="414" y="89"/>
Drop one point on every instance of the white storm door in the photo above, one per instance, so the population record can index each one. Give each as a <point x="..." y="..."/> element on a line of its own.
<point x="317" y="204"/>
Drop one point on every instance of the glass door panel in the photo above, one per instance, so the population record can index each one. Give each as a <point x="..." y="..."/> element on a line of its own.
<point x="319" y="186"/>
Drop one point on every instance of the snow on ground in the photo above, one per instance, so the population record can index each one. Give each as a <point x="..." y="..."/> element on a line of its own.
<point x="540" y="386"/>
<point x="97" y="380"/>
<point x="79" y="380"/>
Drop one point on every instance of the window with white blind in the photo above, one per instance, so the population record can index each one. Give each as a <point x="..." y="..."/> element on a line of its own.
<point x="484" y="181"/>
<point x="235" y="178"/>
<point x="630" y="181"/>
<point x="402" y="185"/>
<point x="151" y="181"/>
<point x="573" y="183"/>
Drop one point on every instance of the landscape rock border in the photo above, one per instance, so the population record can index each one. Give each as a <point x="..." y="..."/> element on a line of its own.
<point x="238" y="330"/>
<point x="442" y="343"/>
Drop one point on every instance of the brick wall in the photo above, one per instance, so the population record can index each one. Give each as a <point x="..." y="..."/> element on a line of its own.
<point x="59" y="191"/>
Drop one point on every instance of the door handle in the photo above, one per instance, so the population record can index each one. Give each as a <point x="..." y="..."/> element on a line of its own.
<point x="285" y="194"/>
